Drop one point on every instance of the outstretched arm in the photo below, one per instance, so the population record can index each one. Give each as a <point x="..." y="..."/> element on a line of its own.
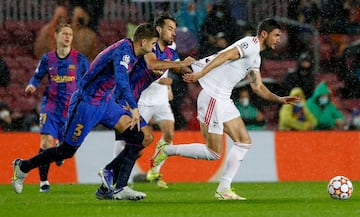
<point x="260" y="89"/>
<point x="154" y="64"/>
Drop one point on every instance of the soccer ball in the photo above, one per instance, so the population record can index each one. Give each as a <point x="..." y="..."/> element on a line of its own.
<point x="340" y="187"/>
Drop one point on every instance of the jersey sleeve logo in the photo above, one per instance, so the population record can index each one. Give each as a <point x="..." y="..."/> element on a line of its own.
<point x="125" y="61"/>
<point x="244" y="45"/>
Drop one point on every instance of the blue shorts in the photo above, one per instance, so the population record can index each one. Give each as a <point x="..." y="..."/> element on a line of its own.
<point x="84" y="116"/>
<point x="51" y="124"/>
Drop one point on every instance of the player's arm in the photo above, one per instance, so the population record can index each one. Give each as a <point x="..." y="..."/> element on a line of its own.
<point x="154" y="64"/>
<point x="123" y="90"/>
<point x="40" y="71"/>
<point x="221" y="58"/>
<point x="260" y="89"/>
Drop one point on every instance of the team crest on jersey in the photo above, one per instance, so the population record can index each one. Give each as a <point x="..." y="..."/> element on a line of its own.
<point x="244" y="45"/>
<point x="125" y="61"/>
<point x="71" y="67"/>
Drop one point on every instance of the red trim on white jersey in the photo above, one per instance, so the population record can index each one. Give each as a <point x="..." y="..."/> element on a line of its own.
<point x="255" y="40"/>
<point x="209" y="111"/>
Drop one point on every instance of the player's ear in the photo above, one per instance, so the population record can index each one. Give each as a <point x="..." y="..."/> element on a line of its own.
<point x="158" y="28"/>
<point x="264" y="34"/>
<point x="143" y="41"/>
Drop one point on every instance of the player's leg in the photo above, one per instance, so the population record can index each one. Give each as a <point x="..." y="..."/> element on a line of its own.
<point x="211" y="128"/>
<point x="242" y="142"/>
<point x="80" y="112"/>
<point x="164" y="117"/>
<point x="124" y="162"/>
<point x="46" y="142"/>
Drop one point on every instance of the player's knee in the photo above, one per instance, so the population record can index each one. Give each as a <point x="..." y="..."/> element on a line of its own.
<point x="243" y="145"/>
<point x="212" y="155"/>
<point x="66" y="151"/>
<point x="148" y="138"/>
<point x="133" y="136"/>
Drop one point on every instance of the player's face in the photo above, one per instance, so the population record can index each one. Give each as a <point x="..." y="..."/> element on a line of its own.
<point x="168" y="32"/>
<point x="64" y="37"/>
<point x="272" y="39"/>
<point x="149" y="44"/>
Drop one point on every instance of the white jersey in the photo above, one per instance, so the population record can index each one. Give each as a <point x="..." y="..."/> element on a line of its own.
<point x="220" y="81"/>
<point x="155" y="94"/>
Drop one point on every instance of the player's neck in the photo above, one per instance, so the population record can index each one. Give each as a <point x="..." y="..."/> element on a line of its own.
<point x="162" y="45"/>
<point x="62" y="52"/>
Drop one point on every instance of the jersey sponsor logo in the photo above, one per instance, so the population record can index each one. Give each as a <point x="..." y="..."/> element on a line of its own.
<point x="244" y="45"/>
<point x="125" y="61"/>
<point x="62" y="78"/>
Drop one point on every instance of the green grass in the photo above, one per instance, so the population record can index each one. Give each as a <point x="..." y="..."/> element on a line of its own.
<point x="196" y="199"/>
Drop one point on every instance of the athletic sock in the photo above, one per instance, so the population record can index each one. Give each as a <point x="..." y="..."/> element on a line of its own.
<point x="43" y="169"/>
<point x="233" y="161"/>
<point x="127" y="162"/>
<point x="193" y="150"/>
<point x="119" y="146"/>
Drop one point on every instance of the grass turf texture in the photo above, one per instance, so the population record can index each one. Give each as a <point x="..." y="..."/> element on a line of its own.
<point x="185" y="199"/>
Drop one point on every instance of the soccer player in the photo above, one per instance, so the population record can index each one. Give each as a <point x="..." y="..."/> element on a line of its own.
<point x="63" y="67"/>
<point x="94" y="102"/>
<point x="154" y="66"/>
<point x="218" y="75"/>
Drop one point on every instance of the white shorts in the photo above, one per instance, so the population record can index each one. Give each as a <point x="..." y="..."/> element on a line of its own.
<point x="158" y="112"/>
<point x="213" y="112"/>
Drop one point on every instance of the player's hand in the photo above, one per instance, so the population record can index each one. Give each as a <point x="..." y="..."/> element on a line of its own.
<point x="135" y="118"/>
<point x="188" y="61"/>
<point x="30" y="89"/>
<point x="165" y="81"/>
<point x="289" y="100"/>
<point x="193" y="77"/>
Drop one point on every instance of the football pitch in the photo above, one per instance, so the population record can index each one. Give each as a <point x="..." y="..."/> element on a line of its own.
<point x="181" y="199"/>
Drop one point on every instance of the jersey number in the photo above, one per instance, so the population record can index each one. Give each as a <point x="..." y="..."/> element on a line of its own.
<point x="78" y="131"/>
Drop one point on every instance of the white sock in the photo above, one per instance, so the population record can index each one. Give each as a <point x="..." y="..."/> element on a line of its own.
<point x="193" y="150"/>
<point x="119" y="146"/>
<point x="233" y="161"/>
<point x="44" y="183"/>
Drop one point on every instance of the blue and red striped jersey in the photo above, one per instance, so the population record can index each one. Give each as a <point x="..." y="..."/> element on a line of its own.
<point x="109" y="69"/>
<point x="63" y="77"/>
<point x="141" y="77"/>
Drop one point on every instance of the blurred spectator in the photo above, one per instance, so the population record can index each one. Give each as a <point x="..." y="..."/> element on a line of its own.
<point x="95" y="9"/>
<point x="354" y="123"/>
<point x="10" y="121"/>
<point x="353" y="6"/>
<point x="329" y="117"/>
<point x="45" y="38"/>
<point x="5" y="118"/>
<point x="303" y="11"/>
<point x="349" y="71"/>
<point x="31" y="121"/>
<point x="302" y="76"/>
<point x="191" y="17"/>
<point x="252" y="117"/>
<point x="4" y="74"/>
<point x="219" y="20"/>
<point x="298" y="116"/>
<point x="179" y="88"/>
<point x="219" y="44"/>
<point x="85" y="40"/>
<point x="335" y="17"/>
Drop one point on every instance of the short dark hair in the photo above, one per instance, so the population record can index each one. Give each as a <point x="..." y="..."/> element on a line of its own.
<point x="145" y="31"/>
<point x="60" y="26"/>
<point x="160" y="20"/>
<point x="268" y="25"/>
